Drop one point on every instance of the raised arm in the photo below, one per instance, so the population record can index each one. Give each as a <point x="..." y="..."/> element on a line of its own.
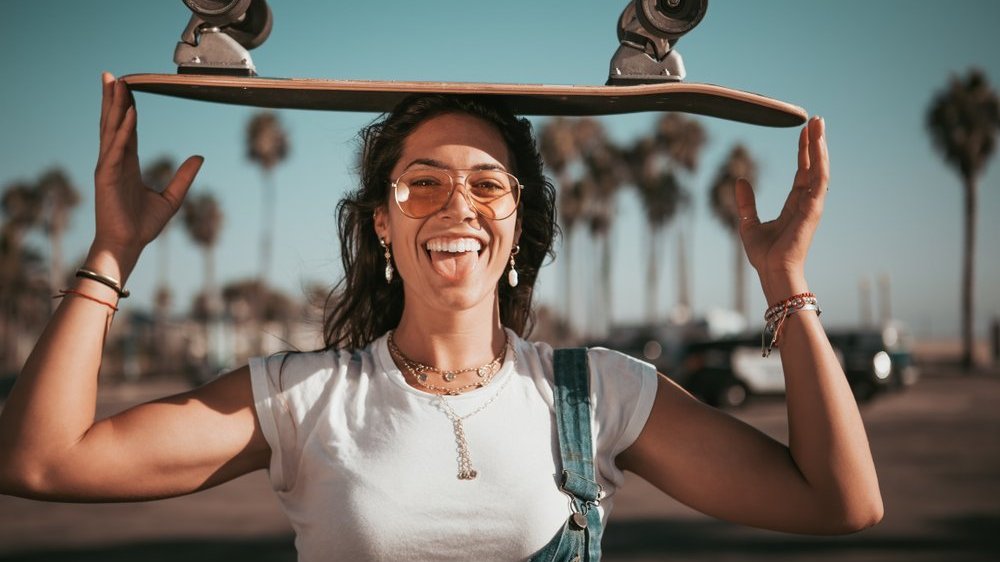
<point x="824" y="481"/>
<point x="49" y="442"/>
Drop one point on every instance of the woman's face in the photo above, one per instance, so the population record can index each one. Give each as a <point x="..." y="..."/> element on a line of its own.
<point x="423" y="250"/>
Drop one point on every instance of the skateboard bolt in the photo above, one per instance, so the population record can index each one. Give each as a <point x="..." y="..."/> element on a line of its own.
<point x="195" y="60"/>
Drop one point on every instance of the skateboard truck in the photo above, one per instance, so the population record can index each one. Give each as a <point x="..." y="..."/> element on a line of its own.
<point x="219" y="35"/>
<point x="647" y="32"/>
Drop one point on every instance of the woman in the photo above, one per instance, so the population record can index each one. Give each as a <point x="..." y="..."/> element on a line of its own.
<point x="441" y="247"/>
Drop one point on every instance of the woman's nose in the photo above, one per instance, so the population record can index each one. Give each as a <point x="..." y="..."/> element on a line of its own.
<point x="460" y="205"/>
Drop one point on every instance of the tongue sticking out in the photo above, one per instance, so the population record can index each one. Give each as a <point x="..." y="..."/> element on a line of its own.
<point x="454" y="265"/>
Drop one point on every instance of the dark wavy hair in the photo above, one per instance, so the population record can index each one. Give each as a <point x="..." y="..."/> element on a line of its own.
<point x="362" y="306"/>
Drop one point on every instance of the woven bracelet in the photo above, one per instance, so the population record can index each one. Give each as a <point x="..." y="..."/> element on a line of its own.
<point x="774" y="319"/>
<point x="66" y="292"/>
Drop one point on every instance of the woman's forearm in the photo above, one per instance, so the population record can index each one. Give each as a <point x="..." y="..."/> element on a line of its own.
<point x="827" y="438"/>
<point x="53" y="402"/>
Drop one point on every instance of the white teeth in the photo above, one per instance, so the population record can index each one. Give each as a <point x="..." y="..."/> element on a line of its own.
<point x="455" y="245"/>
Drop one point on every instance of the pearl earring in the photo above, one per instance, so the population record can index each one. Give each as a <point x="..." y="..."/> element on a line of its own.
<point x="512" y="274"/>
<point x="388" y="261"/>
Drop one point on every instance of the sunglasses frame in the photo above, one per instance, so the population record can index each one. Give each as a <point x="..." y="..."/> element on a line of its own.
<point x="516" y="192"/>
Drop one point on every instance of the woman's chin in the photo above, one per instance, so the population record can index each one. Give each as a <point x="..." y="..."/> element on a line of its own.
<point x="465" y="293"/>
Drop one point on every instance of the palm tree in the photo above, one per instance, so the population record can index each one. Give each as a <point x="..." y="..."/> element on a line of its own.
<point x="58" y="197"/>
<point x="654" y="163"/>
<point x="203" y="220"/>
<point x="739" y="164"/>
<point x="558" y="148"/>
<point x="158" y="174"/>
<point x="21" y="210"/>
<point x="267" y="145"/>
<point x="605" y="165"/>
<point x="572" y="197"/>
<point x="681" y="139"/>
<point x="962" y="121"/>
<point x="661" y="195"/>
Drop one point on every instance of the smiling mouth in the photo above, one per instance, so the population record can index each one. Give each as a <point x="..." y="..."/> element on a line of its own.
<point x="454" y="245"/>
<point x="454" y="258"/>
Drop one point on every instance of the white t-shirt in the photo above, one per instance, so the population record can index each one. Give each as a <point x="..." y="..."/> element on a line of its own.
<point x="365" y="466"/>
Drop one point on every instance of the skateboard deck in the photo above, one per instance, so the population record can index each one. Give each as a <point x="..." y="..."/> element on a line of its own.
<point x="380" y="96"/>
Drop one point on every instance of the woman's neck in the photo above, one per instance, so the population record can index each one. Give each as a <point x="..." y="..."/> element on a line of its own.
<point x="454" y="340"/>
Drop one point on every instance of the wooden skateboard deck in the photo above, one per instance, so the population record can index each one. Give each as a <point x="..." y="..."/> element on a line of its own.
<point x="380" y="96"/>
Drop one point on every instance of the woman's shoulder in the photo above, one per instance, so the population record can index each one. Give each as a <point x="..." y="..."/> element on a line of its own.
<point x="606" y="366"/>
<point x="599" y="358"/>
<point x="299" y="365"/>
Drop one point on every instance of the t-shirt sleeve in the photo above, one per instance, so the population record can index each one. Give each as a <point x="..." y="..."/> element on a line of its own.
<point x="272" y="412"/>
<point x="286" y="390"/>
<point x="622" y="391"/>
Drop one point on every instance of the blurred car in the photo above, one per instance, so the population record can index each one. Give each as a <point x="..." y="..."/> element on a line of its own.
<point x="662" y="345"/>
<point x="726" y="372"/>
<point x="876" y="360"/>
<point x="6" y="384"/>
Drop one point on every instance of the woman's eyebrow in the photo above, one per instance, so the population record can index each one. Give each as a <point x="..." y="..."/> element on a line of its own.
<point x="427" y="162"/>
<point x="430" y="162"/>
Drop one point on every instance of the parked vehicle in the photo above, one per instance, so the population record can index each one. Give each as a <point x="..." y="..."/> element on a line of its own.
<point x="6" y="384"/>
<point x="662" y="345"/>
<point x="876" y="360"/>
<point x="727" y="372"/>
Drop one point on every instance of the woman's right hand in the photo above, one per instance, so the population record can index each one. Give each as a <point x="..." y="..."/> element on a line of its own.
<point x="129" y="213"/>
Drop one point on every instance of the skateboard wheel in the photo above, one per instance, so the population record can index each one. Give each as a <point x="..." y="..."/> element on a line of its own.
<point x="218" y="12"/>
<point x="246" y="21"/>
<point x="670" y="18"/>
<point x="255" y="27"/>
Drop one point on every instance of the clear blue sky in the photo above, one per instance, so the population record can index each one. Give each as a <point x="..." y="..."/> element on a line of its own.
<point x="870" y="68"/>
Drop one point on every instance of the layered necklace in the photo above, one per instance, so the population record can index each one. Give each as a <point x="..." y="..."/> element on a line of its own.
<point x="485" y="373"/>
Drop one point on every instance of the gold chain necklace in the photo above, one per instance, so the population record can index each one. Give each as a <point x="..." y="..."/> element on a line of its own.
<point x="465" y="470"/>
<point x="420" y="371"/>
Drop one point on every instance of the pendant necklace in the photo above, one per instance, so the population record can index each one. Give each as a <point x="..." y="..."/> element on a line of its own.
<point x="485" y="374"/>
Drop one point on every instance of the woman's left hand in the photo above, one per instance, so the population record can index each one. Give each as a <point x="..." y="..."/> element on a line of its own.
<point x="778" y="248"/>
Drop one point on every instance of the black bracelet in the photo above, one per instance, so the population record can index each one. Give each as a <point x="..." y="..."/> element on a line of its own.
<point x="104" y="280"/>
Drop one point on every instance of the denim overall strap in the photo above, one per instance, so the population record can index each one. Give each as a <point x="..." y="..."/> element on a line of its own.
<point x="572" y="400"/>
<point x="580" y="537"/>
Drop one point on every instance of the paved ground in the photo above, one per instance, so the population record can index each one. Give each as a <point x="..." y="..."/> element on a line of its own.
<point x="937" y="448"/>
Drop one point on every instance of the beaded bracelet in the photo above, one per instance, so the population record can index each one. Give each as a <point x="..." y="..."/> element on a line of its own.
<point x="108" y="281"/>
<point x="792" y="300"/>
<point x="774" y="318"/>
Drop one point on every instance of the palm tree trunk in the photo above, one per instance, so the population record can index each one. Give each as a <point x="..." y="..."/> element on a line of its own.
<point x="568" y="281"/>
<point x="55" y="261"/>
<point x="593" y="311"/>
<point x="7" y="337"/>
<point x="651" y="280"/>
<point x="968" y="270"/>
<point x="605" y="325"/>
<point x="739" y="289"/>
<point x="266" y="252"/>
<point x="683" y="288"/>
<point x="210" y="308"/>
<point x="163" y="265"/>
<point x="267" y="227"/>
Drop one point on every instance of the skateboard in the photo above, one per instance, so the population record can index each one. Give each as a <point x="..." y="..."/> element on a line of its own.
<point x="646" y="73"/>
<point x="526" y="99"/>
